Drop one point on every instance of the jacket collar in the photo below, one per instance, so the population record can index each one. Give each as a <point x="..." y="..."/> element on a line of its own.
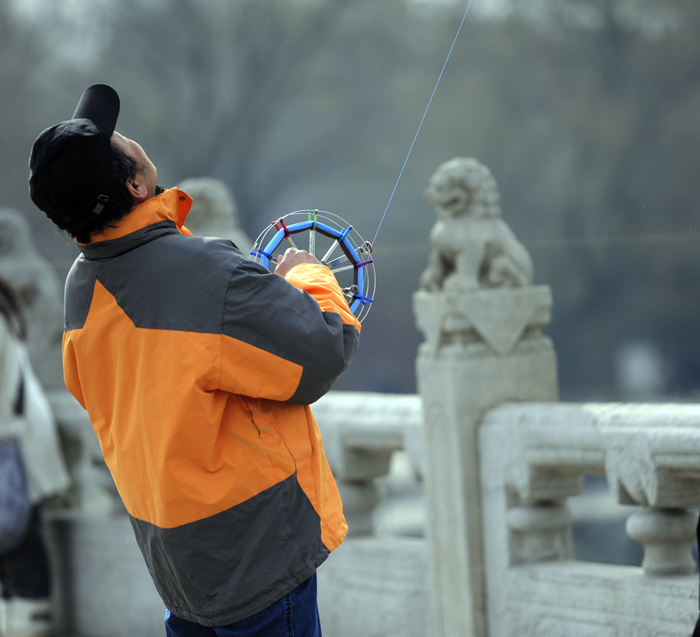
<point x="165" y="213"/>
<point x="173" y="205"/>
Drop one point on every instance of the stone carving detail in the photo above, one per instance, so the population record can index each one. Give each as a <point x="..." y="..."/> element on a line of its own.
<point x="471" y="246"/>
<point x="484" y="321"/>
<point x="214" y="212"/>
<point x="475" y="294"/>
<point x="651" y="452"/>
<point x="21" y="263"/>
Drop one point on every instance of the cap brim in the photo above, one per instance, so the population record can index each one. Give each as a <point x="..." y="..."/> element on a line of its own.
<point x="100" y="104"/>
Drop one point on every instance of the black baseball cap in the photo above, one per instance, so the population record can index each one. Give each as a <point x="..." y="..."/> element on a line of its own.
<point x="71" y="171"/>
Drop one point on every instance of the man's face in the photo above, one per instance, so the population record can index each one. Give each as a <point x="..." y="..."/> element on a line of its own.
<point x="148" y="175"/>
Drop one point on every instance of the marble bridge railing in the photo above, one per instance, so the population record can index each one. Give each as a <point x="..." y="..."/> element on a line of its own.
<point x="532" y="458"/>
<point x="361" y="431"/>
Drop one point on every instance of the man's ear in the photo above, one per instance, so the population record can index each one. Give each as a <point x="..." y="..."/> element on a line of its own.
<point x="137" y="189"/>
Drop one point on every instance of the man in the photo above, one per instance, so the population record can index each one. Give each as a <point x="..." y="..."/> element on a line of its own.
<point x="197" y="367"/>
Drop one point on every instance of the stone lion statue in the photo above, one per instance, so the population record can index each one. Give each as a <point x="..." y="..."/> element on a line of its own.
<point x="472" y="247"/>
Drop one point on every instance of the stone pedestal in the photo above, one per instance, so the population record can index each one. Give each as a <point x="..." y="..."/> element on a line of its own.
<point x="483" y="348"/>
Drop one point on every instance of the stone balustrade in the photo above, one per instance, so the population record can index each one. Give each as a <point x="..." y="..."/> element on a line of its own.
<point x="533" y="457"/>
<point x="503" y="456"/>
<point x="375" y="586"/>
<point x="361" y="431"/>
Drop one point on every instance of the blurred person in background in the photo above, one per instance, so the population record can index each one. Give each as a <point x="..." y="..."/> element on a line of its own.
<point x="31" y="470"/>
<point x="197" y="367"/>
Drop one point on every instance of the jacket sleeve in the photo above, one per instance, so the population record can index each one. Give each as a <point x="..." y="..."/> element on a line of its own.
<point x="285" y="340"/>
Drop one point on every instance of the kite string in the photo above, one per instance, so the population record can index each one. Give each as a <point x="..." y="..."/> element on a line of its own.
<point x="421" y="121"/>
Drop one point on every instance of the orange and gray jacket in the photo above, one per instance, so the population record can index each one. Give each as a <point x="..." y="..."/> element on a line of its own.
<point x="196" y="367"/>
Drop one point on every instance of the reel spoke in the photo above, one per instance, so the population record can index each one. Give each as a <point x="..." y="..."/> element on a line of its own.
<point x="328" y="232"/>
<point x="312" y="233"/>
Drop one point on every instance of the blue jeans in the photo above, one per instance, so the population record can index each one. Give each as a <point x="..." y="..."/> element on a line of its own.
<point x="295" y="615"/>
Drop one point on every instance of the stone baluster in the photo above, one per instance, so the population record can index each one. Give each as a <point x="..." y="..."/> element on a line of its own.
<point x="659" y="475"/>
<point x="666" y="535"/>
<point x="539" y="520"/>
<point x="481" y="318"/>
<point x="539" y="531"/>
<point x="357" y="475"/>
<point x="542" y="455"/>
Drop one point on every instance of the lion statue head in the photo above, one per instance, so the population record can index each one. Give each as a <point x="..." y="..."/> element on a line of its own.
<point x="463" y="186"/>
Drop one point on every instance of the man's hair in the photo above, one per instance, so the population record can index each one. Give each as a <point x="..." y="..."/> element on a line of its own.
<point x="120" y="199"/>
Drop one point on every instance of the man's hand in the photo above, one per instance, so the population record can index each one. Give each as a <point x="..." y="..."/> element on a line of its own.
<point x="293" y="257"/>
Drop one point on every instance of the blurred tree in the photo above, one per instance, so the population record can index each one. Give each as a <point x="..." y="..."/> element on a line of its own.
<point x="259" y="93"/>
<point x="20" y="53"/>
<point x="620" y="83"/>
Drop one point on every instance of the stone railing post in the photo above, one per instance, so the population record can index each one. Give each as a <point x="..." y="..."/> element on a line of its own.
<point x="481" y="318"/>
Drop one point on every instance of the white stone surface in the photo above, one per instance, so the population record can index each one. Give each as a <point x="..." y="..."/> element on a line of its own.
<point x="532" y="454"/>
<point x="456" y="392"/>
<point x="370" y="421"/>
<point x="375" y="587"/>
<point x="579" y="599"/>
<point x="483" y="322"/>
<point x="360" y="433"/>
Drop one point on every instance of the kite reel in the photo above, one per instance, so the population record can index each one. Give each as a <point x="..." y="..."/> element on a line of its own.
<point x="342" y="248"/>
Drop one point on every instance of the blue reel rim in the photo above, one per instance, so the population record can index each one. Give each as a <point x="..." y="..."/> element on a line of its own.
<point x="349" y="240"/>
